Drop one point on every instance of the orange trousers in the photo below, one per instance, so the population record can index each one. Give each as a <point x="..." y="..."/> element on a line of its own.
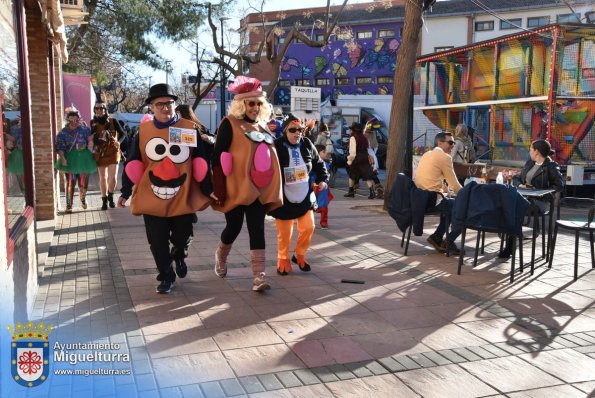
<point x="305" y="226"/>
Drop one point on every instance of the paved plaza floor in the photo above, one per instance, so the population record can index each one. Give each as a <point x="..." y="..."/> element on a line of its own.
<point x="413" y="328"/>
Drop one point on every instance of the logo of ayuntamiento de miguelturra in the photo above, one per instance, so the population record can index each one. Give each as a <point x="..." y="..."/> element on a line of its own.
<point x="30" y="353"/>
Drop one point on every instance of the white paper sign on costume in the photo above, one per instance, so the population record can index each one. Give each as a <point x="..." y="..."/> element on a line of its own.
<point x="184" y="137"/>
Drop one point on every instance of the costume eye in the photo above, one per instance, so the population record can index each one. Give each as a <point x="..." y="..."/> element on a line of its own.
<point x="179" y="154"/>
<point x="156" y="149"/>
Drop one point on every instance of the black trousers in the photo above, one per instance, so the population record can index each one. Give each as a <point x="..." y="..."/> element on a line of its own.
<point x="160" y="232"/>
<point x="255" y="214"/>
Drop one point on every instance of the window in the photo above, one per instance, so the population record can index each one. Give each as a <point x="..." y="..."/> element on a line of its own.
<point x="364" y="35"/>
<point x="284" y="83"/>
<point x="319" y="37"/>
<point x="386" y="33"/>
<point x="535" y="22"/>
<point x="484" y="25"/>
<point x="302" y="82"/>
<point x="342" y="81"/>
<point x="569" y="18"/>
<point x="443" y="48"/>
<point x="322" y="82"/>
<point x="384" y="80"/>
<point x="363" y="80"/>
<point x="511" y="24"/>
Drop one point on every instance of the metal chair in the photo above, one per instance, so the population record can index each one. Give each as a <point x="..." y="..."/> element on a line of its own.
<point x="577" y="227"/>
<point x="441" y="213"/>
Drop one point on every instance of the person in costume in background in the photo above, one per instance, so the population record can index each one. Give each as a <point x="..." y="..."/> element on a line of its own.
<point x="75" y="159"/>
<point x="323" y="196"/>
<point x="246" y="176"/>
<point x="186" y="112"/>
<point x="298" y="158"/>
<point x="107" y="135"/>
<point x="15" y="164"/>
<point x="171" y="182"/>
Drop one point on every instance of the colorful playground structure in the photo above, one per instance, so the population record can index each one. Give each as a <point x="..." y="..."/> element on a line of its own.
<point x="511" y="91"/>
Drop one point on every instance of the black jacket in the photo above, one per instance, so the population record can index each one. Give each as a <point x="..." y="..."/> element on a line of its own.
<point x="408" y="204"/>
<point x="548" y="175"/>
<point x="315" y="166"/>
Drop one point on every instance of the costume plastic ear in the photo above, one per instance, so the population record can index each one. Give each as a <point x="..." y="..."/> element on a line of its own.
<point x="199" y="169"/>
<point x="134" y="170"/>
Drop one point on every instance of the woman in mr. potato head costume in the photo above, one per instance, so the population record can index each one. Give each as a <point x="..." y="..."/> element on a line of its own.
<point x="246" y="176"/>
<point x="171" y="182"/>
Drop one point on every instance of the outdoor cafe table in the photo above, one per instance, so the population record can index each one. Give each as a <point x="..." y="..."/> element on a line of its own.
<point x="546" y="195"/>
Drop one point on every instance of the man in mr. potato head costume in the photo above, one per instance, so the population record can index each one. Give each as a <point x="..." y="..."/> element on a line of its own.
<point x="172" y="181"/>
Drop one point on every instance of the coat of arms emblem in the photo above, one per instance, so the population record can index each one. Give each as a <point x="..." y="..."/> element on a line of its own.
<point x="30" y="353"/>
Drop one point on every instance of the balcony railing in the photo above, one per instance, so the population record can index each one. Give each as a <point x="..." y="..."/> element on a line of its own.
<point x="73" y="12"/>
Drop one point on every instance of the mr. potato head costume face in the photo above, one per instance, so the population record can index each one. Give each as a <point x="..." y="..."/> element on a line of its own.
<point x="167" y="176"/>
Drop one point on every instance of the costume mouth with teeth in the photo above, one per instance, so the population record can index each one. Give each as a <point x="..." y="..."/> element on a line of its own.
<point x="166" y="184"/>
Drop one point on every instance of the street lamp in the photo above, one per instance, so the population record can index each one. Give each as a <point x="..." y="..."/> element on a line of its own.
<point x="223" y="80"/>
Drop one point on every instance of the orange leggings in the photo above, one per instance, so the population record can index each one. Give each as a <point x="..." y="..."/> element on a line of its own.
<point x="305" y="225"/>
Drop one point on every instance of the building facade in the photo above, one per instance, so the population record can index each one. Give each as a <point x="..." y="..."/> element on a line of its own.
<point x="360" y="57"/>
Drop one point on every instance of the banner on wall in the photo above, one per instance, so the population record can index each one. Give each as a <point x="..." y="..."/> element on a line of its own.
<point x="78" y="92"/>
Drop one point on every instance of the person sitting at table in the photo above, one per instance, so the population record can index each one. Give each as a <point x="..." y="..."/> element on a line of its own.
<point x="539" y="172"/>
<point x="434" y="167"/>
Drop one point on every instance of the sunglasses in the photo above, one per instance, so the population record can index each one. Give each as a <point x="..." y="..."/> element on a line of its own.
<point x="254" y="103"/>
<point x="295" y="129"/>
<point x="450" y="142"/>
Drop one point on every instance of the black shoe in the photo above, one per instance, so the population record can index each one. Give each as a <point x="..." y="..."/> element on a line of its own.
<point x="69" y="209"/>
<point x="165" y="287"/>
<point x="306" y="266"/>
<point x="452" y="248"/>
<point x="436" y="242"/>
<point x="505" y="253"/>
<point x="181" y="268"/>
<point x="350" y="194"/>
<point x="104" y="205"/>
<point x="84" y="204"/>
<point x="372" y="194"/>
<point x="282" y="273"/>
<point x="110" y="199"/>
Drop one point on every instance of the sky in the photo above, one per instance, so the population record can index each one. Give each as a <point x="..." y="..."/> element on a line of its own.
<point x="181" y="59"/>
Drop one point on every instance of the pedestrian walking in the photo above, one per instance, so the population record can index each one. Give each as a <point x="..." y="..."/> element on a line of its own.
<point x="76" y="161"/>
<point x="298" y="158"/>
<point x="107" y="135"/>
<point x="246" y="175"/>
<point x="171" y="181"/>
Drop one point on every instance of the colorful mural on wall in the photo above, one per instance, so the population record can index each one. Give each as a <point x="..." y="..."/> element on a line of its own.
<point x="363" y="66"/>
<point x="509" y="79"/>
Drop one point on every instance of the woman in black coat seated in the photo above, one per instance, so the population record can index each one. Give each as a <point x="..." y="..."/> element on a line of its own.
<point x="540" y="172"/>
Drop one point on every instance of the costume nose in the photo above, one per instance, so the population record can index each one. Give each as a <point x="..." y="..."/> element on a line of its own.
<point x="166" y="170"/>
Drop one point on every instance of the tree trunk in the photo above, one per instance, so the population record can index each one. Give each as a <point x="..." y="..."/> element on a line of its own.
<point x="401" y="108"/>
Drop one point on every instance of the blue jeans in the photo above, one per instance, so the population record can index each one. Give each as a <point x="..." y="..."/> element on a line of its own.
<point x="445" y="206"/>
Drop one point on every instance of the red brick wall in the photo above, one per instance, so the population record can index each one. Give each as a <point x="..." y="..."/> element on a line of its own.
<point x="37" y="43"/>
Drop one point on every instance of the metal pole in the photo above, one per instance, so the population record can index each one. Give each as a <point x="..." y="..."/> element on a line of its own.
<point x="223" y="82"/>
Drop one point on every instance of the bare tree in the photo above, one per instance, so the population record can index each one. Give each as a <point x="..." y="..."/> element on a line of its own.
<point x="239" y="62"/>
<point x="401" y="111"/>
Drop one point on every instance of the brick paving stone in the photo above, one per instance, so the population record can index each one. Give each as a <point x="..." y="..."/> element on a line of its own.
<point x="498" y="352"/>
<point x="191" y="391"/>
<point x="212" y="389"/>
<point x="359" y="369"/>
<point x="270" y="382"/>
<point x="288" y="379"/>
<point x="565" y="342"/>
<point x="149" y="394"/>
<point x="407" y="362"/>
<point x="146" y="382"/>
<point x="576" y="339"/>
<point x="251" y="384"/>
<point x="324" y="374"/>
<point x="590" y="349"/>
<point x="467" y="354"/>
<point x="586" y="337"/>
<point x="232" y="387"/>
<point x="342" y="372"/>
<point x="391" y="364"/>
<point x="306" y="376"/>
<point x="513" y="350"/>
<point x="481" y="352"/>
<point x="436" y="358"/>
<point x="170" y="392"/>
<point x="452" y="356"/>
<point x="421" y="360"/>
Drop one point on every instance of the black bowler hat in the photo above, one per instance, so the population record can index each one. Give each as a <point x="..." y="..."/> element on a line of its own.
<point x="160" y="90"/>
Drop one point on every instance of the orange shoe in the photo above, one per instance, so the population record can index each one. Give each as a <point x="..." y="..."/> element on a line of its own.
<point x="283" y="266"/>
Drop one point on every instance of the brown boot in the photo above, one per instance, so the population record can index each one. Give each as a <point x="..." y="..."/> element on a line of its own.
<point x="221" y="259"/>
<point x="260" y="283"/>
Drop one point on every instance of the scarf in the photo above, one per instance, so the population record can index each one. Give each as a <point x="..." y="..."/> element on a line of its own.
<point x="162" y="125"/>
